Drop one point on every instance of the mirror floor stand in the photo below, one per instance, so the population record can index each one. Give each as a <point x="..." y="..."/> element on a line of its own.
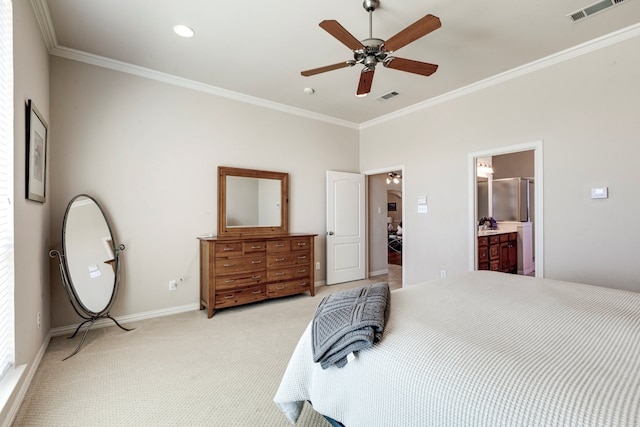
<point x="88" y="316"/>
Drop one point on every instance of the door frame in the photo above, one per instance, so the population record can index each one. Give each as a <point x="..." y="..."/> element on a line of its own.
<point x="536" y="147"/>
<point x="380" y="171"/>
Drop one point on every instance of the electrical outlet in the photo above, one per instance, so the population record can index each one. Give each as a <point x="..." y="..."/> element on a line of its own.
<point x="38" y="320"/>
<point x="443" y="274"/>
<point x="173" y="285"/>
<point x="318" y="265"/>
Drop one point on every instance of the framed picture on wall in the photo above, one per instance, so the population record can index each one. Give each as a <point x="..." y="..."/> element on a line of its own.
<point x="391" y="207"/>
<point x="36" y="158"/>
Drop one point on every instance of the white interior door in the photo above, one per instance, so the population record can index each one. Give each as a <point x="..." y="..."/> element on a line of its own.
<point x="346" y="232"/>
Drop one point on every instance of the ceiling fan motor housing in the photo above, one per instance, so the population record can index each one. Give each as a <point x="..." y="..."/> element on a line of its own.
<point x="372" y="54"/>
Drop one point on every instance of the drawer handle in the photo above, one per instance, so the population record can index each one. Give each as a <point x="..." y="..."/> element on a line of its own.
<point x="256" y="292"/>
<point x="302" y="257"/>
<point x="280" y="287"/>
<point x="229" y="280"/>
<point x="228" y="249"/>
<point x="229" y="265"/>
<point x="256" y="261"/>
<point x="257" y="276"/>
<point x="256" y="247"/>
<point x="304" y="270"/>
<point x="280" y="273"/>
<point x="279" y="245"/>
<point x="228" y="296"/>
<point x="303" y="284"/>
<point x="302" y="244"/>
<point x="279" y="259"/>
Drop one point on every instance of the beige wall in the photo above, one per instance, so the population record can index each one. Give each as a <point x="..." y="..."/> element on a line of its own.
<point x="148" y="151"/>
<point x="585" y="112"/>
<point x="31" y="219"/>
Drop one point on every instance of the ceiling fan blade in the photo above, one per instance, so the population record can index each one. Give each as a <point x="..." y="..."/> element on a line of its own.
<point x="410" y="66"/>
<point x="338" y="31"/>
<point x="366" y="80"/>
<point x="326" y="68"/>
<point x="413" y="32"/>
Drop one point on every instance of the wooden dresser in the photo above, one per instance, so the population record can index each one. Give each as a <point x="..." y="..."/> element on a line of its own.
<point x="240" y="270"/>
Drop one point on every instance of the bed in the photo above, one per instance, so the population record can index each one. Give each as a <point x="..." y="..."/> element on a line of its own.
<point x="484" y="349"/>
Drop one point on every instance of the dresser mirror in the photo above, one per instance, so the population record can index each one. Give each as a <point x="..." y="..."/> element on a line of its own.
<point x="252" y="202"/>
<point x="89" y="262"/>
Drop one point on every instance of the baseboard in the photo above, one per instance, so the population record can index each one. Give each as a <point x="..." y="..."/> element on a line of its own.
<point x="17" y="402"/>
<point x="378" y="272"/>
<point x="64" y="330"/>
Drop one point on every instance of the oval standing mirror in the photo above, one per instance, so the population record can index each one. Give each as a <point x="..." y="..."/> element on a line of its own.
<point x="90" y="262"/>
<point x="87" y="242"/>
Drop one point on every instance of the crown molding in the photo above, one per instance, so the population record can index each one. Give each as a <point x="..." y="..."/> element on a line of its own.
<point x="48" y="33"/>
<point x="41" y="10"/>
<point x="46" y="27"/>
<point x="124" y="67"/>
<point x="548" y="61"/>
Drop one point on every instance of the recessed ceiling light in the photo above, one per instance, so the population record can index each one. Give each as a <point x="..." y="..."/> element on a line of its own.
<point x="309" y="90"/>
<point x="183" y="30"/>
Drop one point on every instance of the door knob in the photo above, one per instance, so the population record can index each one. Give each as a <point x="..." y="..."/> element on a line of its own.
<point x="330" y="233"/>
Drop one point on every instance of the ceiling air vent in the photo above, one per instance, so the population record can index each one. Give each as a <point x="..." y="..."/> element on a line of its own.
<point x="592" y="9"/>
<point x="388" y="96"/>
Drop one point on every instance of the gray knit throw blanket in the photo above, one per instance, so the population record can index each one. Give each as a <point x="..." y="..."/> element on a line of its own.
<point x="348" y="321"/>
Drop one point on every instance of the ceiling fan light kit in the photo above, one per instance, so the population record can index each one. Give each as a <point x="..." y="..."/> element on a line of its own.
<point x="371" y="51"/>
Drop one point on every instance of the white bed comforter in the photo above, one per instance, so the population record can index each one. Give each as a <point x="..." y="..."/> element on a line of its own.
<point x="485" y="349"/>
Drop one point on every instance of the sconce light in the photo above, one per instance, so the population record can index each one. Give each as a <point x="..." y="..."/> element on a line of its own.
<point x="393" y="177"/>
<point x="483" y="169"/>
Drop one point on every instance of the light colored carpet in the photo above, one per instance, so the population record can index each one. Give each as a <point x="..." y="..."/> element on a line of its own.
<point x="180" y="370"/>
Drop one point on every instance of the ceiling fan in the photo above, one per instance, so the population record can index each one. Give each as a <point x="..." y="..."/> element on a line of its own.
<point x="369" y="52"/>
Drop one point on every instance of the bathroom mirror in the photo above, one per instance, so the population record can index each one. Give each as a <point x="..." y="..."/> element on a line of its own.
<point x="89" y="262"/>
<point x="252" y="201"/>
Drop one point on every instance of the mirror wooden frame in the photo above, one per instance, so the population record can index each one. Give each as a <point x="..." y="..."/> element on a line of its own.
<point x="224" y="230"/>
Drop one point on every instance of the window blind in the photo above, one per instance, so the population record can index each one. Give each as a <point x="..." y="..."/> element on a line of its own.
<point x="6" y="188"/>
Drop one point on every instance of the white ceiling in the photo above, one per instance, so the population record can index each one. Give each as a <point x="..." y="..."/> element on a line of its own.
<point x="256" y="50"/>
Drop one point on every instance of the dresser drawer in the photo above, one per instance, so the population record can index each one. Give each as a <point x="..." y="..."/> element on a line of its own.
<point x="287" y="273"/>
<point x="228" y="249"/>
<point x="278" y="246"/>
<point x="287" y="259"/>
<point x="241" y="280"/>
<point x="233" y="265"/>
<point x="287" y="288"/>
<point x="254" y="247"/>
<point x="240" y="296"/>
<point x="301" y="244"/>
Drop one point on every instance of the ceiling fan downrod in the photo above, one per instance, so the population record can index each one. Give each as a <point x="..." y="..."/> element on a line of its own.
<point x="370" y="6"/>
